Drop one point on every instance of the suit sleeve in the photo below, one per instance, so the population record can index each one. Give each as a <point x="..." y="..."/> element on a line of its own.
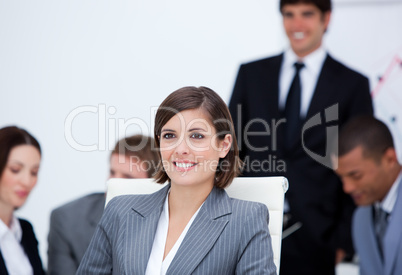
<point x="256" y="247"/>
<point x="360" y="104"/>
<point x="238" y="107"/>
<point x="98" y="258"/>
<point x="60" y="261"/>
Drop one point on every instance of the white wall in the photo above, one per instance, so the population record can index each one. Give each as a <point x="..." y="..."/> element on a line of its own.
<point x="57" y="57"/>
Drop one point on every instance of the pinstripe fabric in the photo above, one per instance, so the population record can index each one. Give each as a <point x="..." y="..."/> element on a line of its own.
<point x="228" y="236"/>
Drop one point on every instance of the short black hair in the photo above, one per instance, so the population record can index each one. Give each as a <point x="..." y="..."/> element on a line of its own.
<point x="322" y="5"/>
<point x="366" y="131"/>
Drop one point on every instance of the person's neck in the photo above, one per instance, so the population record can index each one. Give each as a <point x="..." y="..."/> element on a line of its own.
<point x="302" y="55"/>
<point x="389" y="181"/>
<point x="186" y="200"/>
<point x="6" y="214"/>
<point x="395" y="173"/>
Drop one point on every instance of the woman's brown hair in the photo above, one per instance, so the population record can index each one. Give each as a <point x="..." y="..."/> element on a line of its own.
<point x="11" y="137"/>
<point x="203" y="98"/>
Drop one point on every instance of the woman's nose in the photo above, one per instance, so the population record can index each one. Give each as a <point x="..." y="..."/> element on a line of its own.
<point x="182" y="147"/>
<point x="27" y="179"/>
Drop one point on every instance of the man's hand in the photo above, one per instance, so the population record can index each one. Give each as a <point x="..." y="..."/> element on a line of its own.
<point x="340" y="255"/>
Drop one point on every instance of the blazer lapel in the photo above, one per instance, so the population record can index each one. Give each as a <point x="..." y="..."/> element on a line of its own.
<point x="203" y="233"/>
<point x="371" y="239"/>
<point x="271" y="86"/>
<point x="270" y="101"/>
<point x="321" y="99"/>
<point x="393" y="236"/>
<point x="3" y="269"/>
<point x="142" y="223"/>
<point x="323" y="89"/>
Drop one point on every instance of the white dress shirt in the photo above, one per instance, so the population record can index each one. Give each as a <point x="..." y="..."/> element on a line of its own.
<point x="388" y="203"/>
<point x="308" y="76"/>
<point x="308" y="81"/>
<point x="156" y="263"/>
<point x="15" y="259"/>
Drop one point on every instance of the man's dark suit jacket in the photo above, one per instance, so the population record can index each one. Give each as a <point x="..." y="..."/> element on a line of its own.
<point x="30" y="245"/>
<point x="315" y="193"/>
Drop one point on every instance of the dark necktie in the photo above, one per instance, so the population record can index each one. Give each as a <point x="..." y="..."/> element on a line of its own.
<point x="380" y="226"/>
<point x="292" y="109"/>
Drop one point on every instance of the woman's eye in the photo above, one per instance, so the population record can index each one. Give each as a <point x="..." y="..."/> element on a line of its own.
<point x="34" y="173"/>
<point x="14" y="170"/>
<point x="168" y="136"/>
<point x="197" y="136"/>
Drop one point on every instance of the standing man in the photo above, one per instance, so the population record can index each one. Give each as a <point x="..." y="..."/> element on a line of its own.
<point x="272" y="100"/>
<point x="73" y="224"/>
<point x="371" y="174"/>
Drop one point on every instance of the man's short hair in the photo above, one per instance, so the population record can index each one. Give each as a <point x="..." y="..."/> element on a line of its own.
<point x="366" y="131"/>
<point x="322" y="5"/>
<point x="139" y="146"/>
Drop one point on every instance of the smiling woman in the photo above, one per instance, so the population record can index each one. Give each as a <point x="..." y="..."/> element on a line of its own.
<point x="190" y="226"/>
<point x="20" y="156"/>
<point x="197" y="119"/>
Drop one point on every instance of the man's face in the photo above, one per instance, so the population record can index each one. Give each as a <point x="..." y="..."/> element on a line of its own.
<point x="125" y="167"/>
<point x="366" y="180"/>
<point x="304" y="25"/>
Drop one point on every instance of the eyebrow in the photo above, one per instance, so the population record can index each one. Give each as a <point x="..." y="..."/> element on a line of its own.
<point x="197" y="129"/>
<point x="167" y="130"/>
<point x="352" y="173"/>
<point x="14" y="162"/>
<point x="190" y="130"/>
<point x="308" y="13"/>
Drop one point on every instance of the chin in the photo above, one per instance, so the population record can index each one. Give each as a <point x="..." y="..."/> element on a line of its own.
<point x="18" y="205"/>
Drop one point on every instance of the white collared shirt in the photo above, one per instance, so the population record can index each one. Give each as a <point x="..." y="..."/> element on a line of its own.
<point x="308" y="76"/>
<point x="388" y="203"/>
<point x="156" y="263"/>
<point x="15" y="259"/>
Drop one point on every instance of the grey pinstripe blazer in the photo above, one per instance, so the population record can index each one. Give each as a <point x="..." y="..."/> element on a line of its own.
<point x="228" y="236"/>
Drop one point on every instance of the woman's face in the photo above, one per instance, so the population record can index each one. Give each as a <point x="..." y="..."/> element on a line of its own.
<point x="190" y="149"/>
<point x="19" y="176"/>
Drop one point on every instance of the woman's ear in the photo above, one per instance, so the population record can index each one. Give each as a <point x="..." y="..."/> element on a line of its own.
<point x="225" y="145"/>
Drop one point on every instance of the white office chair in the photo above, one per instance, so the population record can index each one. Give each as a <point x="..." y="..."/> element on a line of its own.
<point x="267" y="190"/>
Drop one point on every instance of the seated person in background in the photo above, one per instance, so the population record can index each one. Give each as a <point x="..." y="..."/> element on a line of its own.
<point x="20" y="156"/>
<point x="73" y="224"/>
<point x="190" y="226"/>
<point x="371" y="174"/>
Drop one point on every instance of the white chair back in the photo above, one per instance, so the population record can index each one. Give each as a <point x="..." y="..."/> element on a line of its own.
<point x="267" y="190"/>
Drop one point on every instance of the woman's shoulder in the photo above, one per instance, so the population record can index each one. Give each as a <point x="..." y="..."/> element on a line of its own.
<point x="122" y="202"/>
<point x="248" y="209"/>
<point x="249" y="205"/>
